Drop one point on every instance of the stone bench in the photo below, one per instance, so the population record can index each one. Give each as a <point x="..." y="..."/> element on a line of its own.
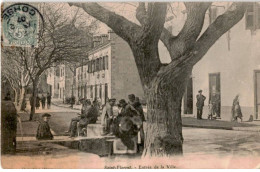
<point x="94" y="130"/>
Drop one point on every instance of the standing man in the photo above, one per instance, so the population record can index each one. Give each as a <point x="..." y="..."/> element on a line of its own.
<point x="200" y="103"/>
<point x="107" y="117"/>
<point x="43" y="100"/>
<point x="8" y="125"/>
<point x="48" y="100"/>
<point x="37" y="102"/>
<point x="72" y="101"/>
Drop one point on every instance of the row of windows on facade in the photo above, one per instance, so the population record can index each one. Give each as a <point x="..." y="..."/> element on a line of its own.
<point x="94" y="66"/>
<point x="82" y="91"/>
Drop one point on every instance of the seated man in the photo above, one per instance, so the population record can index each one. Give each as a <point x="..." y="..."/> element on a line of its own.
<point x="73" y="123"/>
<point x="107" y="117"/>
<point x="89" y="116"/>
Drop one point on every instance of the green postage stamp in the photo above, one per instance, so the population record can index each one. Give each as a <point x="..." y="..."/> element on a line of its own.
<point x="20" y="25"/>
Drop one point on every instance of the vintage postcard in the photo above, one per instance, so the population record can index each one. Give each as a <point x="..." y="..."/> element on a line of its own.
<point x="130" y="85"/>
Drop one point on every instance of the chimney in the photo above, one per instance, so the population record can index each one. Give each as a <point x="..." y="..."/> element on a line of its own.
<point x="96" y="40"/>
<point x="104" y="38"/>
<point x="111" y="35"/>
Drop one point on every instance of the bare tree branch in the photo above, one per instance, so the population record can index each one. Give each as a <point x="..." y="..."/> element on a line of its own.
<point x="221" y="25"/>
<point x="121" y="26"/>
<point x="193" y="25"/>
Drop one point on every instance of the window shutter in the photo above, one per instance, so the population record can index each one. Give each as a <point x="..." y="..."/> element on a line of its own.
<point x="258" y="15"/>
<point x="250" y="15"/>
<point x="104" y="63"/>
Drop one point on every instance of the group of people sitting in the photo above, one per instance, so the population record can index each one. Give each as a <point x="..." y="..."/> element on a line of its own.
<point x="128" y="123"/>
<point x="89" y="115"/>
<point x="124" y="122"/>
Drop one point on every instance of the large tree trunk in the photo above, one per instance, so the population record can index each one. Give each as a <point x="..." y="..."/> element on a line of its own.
<point x="16" y="91"/>
<point x="22" y="98"/>
<point x="34" y="93"/>
<point x="164" y="123"/>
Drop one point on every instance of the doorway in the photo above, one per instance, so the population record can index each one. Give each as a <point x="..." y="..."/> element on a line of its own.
<point x="188" y="98"/>
<point x="215" y="93"/>
<point x="257" y="93"/>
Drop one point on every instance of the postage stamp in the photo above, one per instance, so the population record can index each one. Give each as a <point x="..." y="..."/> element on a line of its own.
<point x="20" y="24"/>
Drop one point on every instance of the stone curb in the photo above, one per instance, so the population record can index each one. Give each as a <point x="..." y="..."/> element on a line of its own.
<point x="250" y="129"/>
<point x="207" y="127"/>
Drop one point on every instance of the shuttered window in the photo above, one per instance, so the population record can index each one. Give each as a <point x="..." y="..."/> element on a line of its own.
<point x="253" y="16"/>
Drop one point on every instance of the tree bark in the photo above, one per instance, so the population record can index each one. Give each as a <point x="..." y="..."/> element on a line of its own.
<point x="34" y="93"/>
<point x="164" y="123"/>
<point x="16" y="97"/>
<point x="22" y="97"/>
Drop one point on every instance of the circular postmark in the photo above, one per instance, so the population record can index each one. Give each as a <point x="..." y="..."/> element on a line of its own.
<point x="20" y="24"/>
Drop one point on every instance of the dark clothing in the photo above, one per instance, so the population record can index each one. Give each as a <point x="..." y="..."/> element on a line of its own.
<point x="88" y="116"/>
<point x="199" y="113"/>
<point x="72" y="101"/>
<point x="73" y="126"/>
<point x="43" y="100"/>
<point x="48" y="101"/>
<point x="236" y="110"/>
<point x="139" y="108"/>
<point x="8" y="127"/>
<point x="37" y="102"/>
<point x="44" y="131"/>
<point x="215" y="100"/>
<point x="200" y="103"/>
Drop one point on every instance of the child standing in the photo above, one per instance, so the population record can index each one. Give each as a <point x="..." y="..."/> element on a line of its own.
<point x="210" y="115"/>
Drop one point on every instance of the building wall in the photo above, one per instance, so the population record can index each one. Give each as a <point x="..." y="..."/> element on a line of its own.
<point x="236" y="67"/>
<point x="125" y="79"/>
<point x="68" y="82"/>
<point x="120" y="76"/>
<point x="235" y="56"/>
<point x="102" y="77"/>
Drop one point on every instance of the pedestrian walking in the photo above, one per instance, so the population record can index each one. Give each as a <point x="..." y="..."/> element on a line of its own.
<point x="44" y="130"/>
<point x="200" y="103"/>
<point x="236" y="110"/>
<point x="43" y="100"/>
<point x="38" y="102"/>
<point x="72" y="101"/>
<point x="48" y="100"/>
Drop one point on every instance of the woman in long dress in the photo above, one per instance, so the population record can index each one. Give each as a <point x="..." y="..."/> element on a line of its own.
<point x="236" y="109"/>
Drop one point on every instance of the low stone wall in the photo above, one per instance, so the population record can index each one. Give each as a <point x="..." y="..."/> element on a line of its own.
<point x="95" y="145"/>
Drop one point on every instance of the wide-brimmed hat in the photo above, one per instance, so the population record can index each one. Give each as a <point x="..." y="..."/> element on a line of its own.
<point x="131" y="96"/>
<point x="126" y="124"/>
<point x="112" y="100"/>
<point x="200" y="91"/>
<point x="46" y="115"/>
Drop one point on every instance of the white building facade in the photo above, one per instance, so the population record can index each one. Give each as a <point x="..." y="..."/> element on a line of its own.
<point x="232" y="65"/>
